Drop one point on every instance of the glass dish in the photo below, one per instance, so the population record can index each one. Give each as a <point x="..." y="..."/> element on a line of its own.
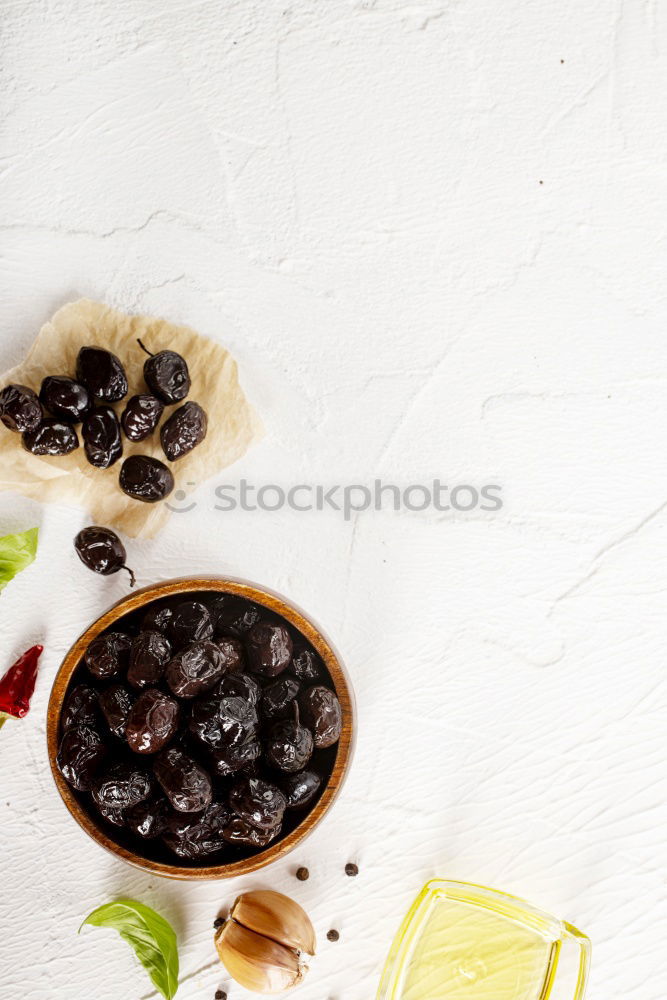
<point x="464" y="942"/>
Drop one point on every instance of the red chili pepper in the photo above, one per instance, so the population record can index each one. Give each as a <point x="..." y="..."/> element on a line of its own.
<point x="18" y="684"/>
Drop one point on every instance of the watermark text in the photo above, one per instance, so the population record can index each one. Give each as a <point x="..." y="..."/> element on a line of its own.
<point x="349" y="499"/>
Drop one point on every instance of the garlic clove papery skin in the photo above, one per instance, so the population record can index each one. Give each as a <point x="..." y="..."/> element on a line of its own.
<point x="257" y="963"/>
<point x="277" y="917"/>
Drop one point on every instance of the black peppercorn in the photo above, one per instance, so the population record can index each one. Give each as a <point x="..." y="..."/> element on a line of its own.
<point x="351" y="869"/>
<point x="302" y="874"/>
<point x="218" y="922"/>
<point x="332" y="935"/>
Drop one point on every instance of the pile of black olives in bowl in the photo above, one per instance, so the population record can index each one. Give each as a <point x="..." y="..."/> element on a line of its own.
<point x="199" y="730"/>
<point x="47" y="421"/>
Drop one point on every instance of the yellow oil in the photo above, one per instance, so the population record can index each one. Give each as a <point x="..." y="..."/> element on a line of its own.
<point x="468" y="953"/>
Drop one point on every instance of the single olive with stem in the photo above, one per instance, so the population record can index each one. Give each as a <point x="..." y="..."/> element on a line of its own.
<point x="101" y="550"/>
<point x="166" y="374"/>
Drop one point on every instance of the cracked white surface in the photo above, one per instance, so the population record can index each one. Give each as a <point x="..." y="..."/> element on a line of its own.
<point x="433" y="235"/>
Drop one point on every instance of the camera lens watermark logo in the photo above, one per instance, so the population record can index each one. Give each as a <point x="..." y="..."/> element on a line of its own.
<point x="348" y="500"/>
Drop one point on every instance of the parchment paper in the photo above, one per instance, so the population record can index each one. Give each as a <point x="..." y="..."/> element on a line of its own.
<point x="232" y="423"/>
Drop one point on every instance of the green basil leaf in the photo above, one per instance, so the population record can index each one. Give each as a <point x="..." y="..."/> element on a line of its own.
<point x="16" y="552"/>
<point x="150" y="935"/>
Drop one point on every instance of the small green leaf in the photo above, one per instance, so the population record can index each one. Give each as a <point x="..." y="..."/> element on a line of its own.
<point x="150" y="935"/>
<point x="16" y="552"/>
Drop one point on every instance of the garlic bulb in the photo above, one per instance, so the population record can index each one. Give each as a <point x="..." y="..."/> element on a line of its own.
<point x="262" y="942"/>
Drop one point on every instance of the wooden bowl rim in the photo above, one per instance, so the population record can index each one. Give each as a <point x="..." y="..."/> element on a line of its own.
<point x="274" y="602"/>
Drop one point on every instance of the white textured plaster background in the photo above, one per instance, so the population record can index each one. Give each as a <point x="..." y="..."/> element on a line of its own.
<point x="434" y="236"/>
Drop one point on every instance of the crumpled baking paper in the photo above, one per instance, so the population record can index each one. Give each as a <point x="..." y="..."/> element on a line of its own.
<point x="232" y="422"/>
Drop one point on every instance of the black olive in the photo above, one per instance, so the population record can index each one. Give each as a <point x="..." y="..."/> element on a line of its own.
<point x="184" y="782"/>
<point x="101" y="437"/>
<point x="289" y="746"/>
<point x="116" y="702"/>
<point x="102" y="374"/>
<point x="258" y="802"/>
<point x="232" y="615"/>
<point x="141" y="416"/>
<point x="222" y="722"/>
<point x="300" y="788"/>
<point x="122" y="786"/>
<point x="151" y="653"/>
<point x="183" y="431"/>
<point x="51" y="437"/>
<point x="306" y="665"/>
<point x="152" y="722"/>
<point x="101" y="550"/>
<point x="157" y="618"/>
<point x="190" y="623"/>
<point x="145" y="478"/>
<point x="269" y="649"/>
<point x="193" y="837"/>
<point x="229" y="760"/>
<point x="114" y="816"/>
<point x="238" y="831"/>
<point x="232" y="654"/>
<point x="108" y="654"/>
<point x="20" y="409"/>
<point x="277" y="698"/>
<point x="66" y="399"/>
<point x="322" y="714"/>
<point x="195" y="669"/>
<point x="79" y="757"/>
<point x="80" y="708"/>
<point x="166" y="375"/>
<point x="240" y="686"/>
<point x="148" y="819"/>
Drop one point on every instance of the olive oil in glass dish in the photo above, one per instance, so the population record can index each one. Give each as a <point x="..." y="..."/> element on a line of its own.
<point x="464" y="942"/>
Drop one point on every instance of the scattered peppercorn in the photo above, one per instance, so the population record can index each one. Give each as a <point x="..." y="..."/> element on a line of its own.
<point x="332" y="935"/>
<point x="218" y="922"/>
<point x="302" y="874"/>
<point x="220" y="995"/>
<point x="351" y="869"/>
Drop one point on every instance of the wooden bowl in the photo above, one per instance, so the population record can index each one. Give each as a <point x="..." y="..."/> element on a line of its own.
<point x="259" y="595"/>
